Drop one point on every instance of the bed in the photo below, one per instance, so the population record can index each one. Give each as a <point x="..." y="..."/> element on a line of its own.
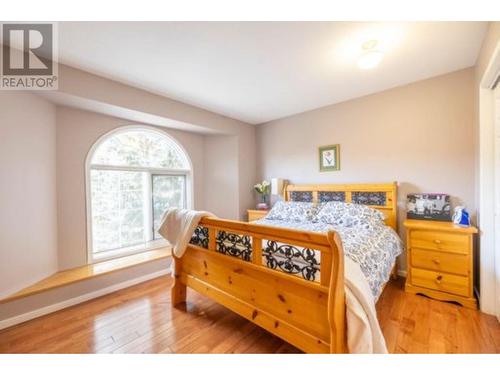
<point x="288" y="276"/>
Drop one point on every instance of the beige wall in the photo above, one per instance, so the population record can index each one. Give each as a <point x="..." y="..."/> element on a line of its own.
<point x="77" y="131"/>
<point x="28" y="216"/>
<point x="221" y="176"/>
<point x="420" y="135"/>
<point x="247" y="172"/>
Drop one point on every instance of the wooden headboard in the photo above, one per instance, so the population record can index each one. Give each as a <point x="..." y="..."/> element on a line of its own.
<point x="382" y="197"/>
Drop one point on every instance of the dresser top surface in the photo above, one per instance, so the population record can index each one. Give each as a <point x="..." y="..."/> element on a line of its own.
<point x="444" y="226"/>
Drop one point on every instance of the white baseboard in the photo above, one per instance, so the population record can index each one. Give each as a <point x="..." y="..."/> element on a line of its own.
<point x="79" y="299"/>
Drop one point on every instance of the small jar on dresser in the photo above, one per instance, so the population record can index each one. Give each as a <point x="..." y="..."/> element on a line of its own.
<point x="440" y="259"/>
<point x="256" y="214"/>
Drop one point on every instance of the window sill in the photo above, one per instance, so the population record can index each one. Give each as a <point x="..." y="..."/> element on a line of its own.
<point x="89" y="271"/>
<point x="126" y="251"/>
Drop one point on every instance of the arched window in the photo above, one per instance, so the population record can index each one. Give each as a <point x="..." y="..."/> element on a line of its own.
<point x="133" y="176"/>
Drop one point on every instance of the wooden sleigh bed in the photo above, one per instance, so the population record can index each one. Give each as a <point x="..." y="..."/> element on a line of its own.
<point x="310" y="315"/>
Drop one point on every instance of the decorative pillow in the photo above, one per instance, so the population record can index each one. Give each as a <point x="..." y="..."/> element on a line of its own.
<point x="348" y="214"/>
<point x="293" y="211"/>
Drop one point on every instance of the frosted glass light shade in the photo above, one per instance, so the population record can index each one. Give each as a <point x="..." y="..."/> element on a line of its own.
<point x="277" y="186"/>
<point x="370" y="59"/>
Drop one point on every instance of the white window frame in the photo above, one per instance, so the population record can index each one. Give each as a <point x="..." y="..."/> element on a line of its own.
<point x="151" y="243"/>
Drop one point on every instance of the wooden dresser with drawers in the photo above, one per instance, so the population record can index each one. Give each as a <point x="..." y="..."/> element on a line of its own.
<point x="256" y="214"/>
<point x="440" y="258"/>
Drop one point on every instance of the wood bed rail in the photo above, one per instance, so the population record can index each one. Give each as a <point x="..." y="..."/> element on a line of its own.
<point x="266" y="275"/>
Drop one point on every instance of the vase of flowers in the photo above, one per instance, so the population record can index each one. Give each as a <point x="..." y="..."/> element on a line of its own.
<point x="263" y="189"/>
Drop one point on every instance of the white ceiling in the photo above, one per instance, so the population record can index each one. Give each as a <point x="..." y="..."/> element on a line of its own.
<point x="261" y="71"/>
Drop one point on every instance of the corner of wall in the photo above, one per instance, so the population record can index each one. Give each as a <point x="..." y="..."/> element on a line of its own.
<point x="28" y="235"/>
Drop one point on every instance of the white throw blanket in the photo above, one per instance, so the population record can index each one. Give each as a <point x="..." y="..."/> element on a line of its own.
<point x="177" y="227"/>
<point x="363" y="330"/>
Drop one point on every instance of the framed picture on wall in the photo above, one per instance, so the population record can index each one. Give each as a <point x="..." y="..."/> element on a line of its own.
<point x="329" y="158"/>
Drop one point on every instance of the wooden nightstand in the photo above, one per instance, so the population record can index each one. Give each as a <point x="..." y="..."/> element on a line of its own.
<point x="256" y="214"/>
<point x="440" y="261"/>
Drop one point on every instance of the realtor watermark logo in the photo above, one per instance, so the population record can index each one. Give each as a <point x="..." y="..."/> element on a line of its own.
<point x="29" y="56"/>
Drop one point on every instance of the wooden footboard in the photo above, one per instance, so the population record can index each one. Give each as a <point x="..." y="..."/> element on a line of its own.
<point x="271" y="277"/>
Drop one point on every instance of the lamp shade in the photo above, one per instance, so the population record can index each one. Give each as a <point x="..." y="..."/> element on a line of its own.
<point x="277" y="186"/>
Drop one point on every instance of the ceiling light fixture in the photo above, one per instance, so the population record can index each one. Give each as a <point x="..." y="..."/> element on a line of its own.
<point x="371" y="57"/>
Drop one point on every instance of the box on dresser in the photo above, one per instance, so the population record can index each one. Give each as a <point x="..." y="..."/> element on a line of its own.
<point x="428" y="206"/>
<point x="440" y="261"/>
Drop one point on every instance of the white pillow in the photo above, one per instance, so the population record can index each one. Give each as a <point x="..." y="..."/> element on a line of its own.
<point x="348" y="214"/>
<point x="293" y="211"/>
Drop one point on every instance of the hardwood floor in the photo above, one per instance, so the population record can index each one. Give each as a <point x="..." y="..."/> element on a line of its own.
<point x="417" y="324"/>
<point x="140" y="320"/>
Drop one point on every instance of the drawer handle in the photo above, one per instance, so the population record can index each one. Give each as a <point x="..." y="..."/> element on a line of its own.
<point x="436" y="261"/>
<point x="438" y="279"/>
<point x="437" y="241"/>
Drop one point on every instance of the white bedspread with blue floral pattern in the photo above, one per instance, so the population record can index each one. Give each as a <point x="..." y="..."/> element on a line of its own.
<point x="373" y="246"/>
